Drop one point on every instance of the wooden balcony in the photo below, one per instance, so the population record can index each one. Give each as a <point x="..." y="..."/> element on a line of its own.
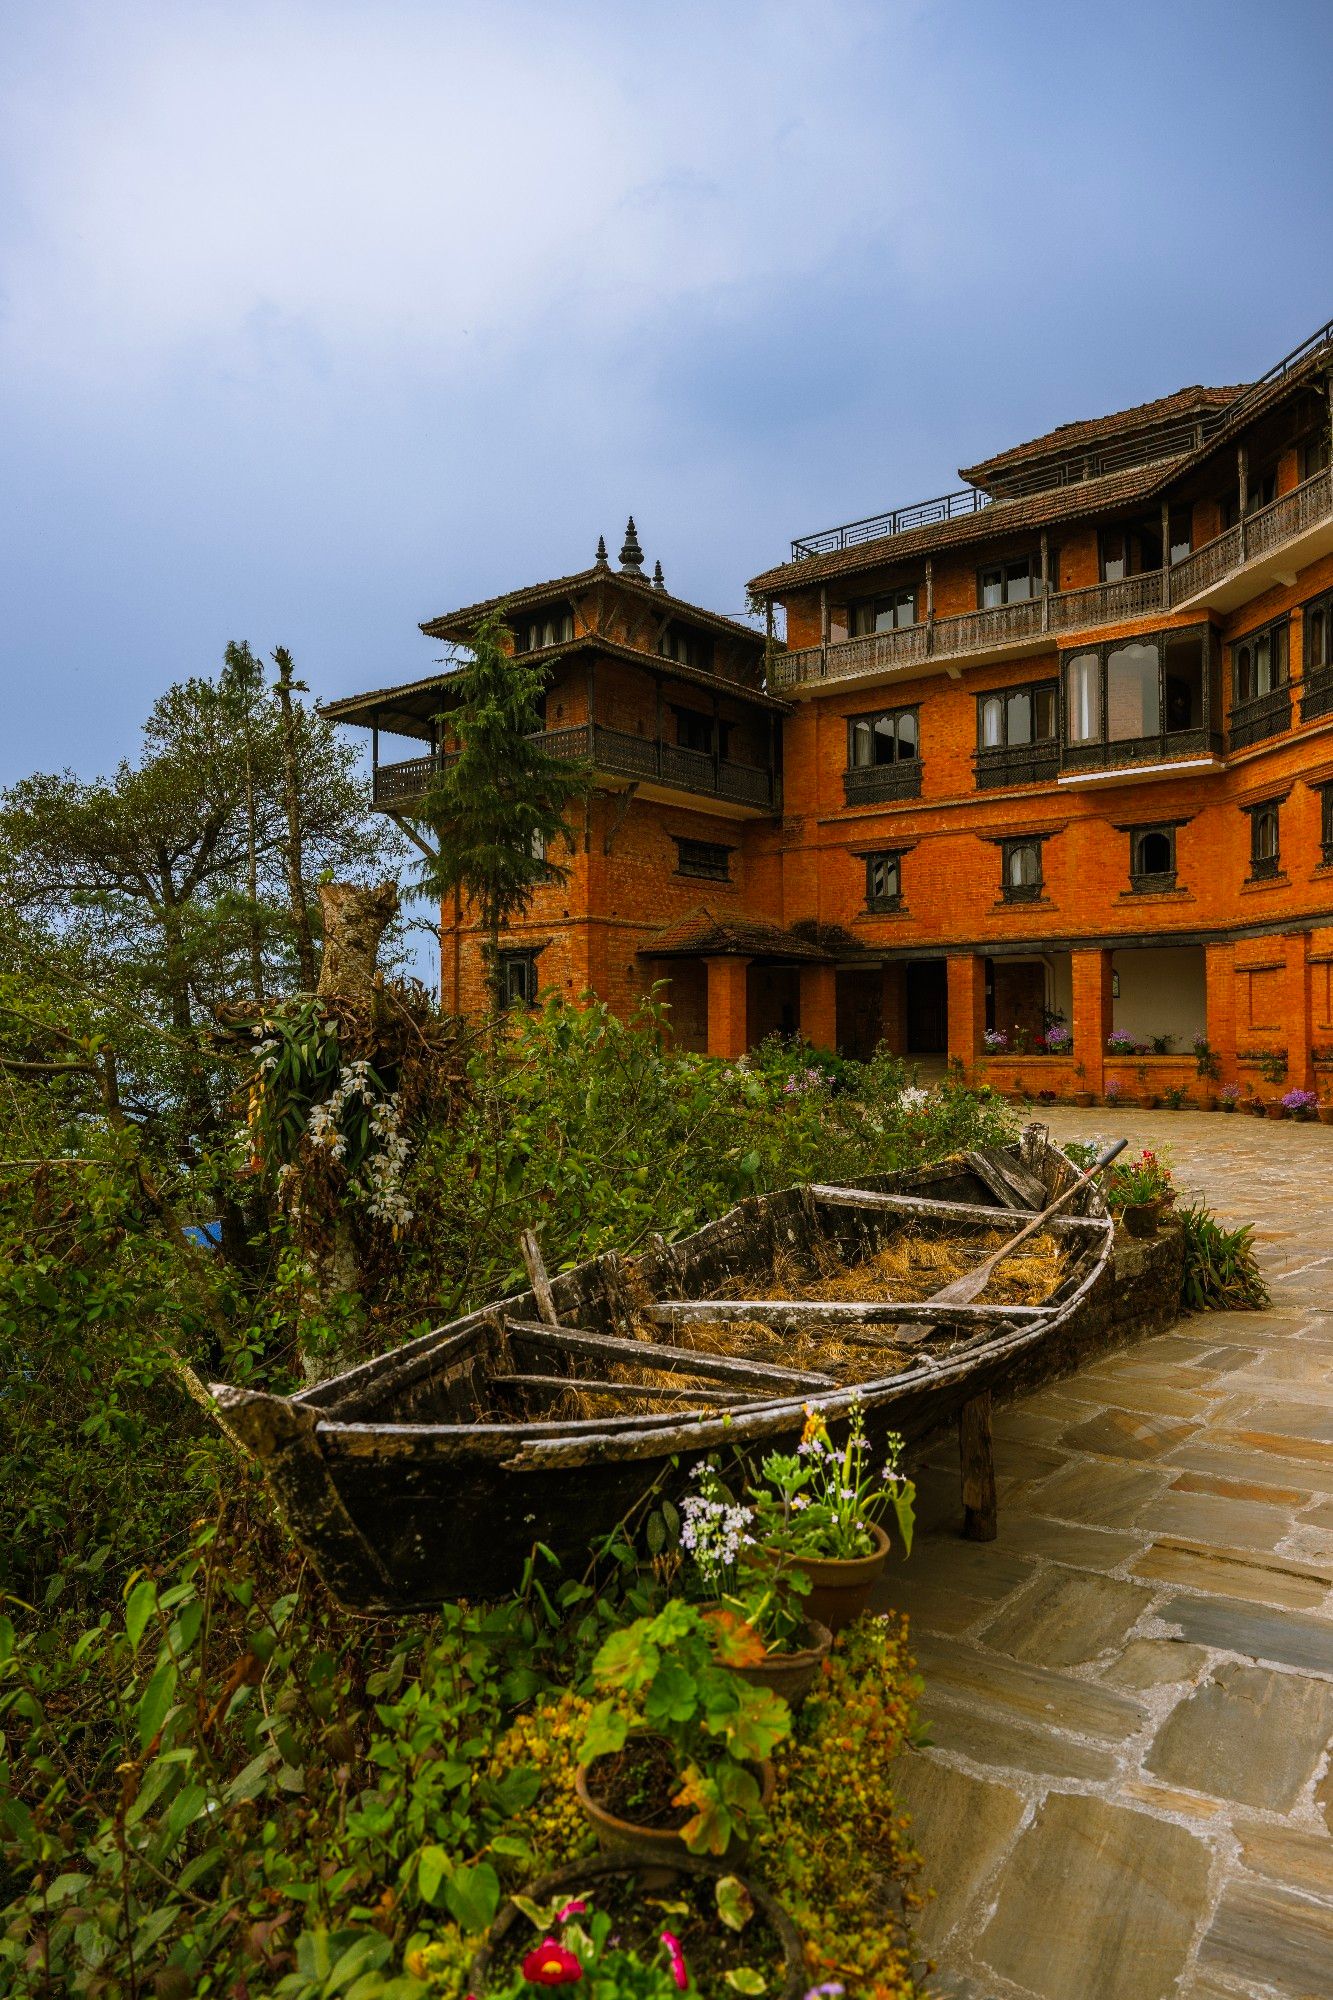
<point x="1267" y="547"/>
<point x="660" y="769"/>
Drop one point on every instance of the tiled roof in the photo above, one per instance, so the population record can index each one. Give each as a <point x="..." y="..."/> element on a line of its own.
<point x="421" y="700"/>
<point x="1176" y="408"/>
<point x="1032" y="510"/>
<point x="701" y="934"/>
<point x="461" y="623"/>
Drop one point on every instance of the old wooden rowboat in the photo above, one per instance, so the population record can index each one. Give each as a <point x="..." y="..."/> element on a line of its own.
<point x="431" y="1471"/>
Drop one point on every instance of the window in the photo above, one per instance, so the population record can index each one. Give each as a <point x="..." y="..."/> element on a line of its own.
<point x="703" y="858"/>
<point x="1315" y="453"/>
<point x="548" y="628"/>
<point x="1326" y="823"/>
<point x="1260" y="491"/>
<point x="1015" y="716"/>
<point x="887" y="738"/>
<point x="884" y="614"/>
<point x="883" y="881"/>
<point x="1259" y="662"/>
<point x="1264" y="846"/>
<point x="688" y="649"/>
<point x="518" y="978"/>
<point x="694" y="731"/>
<point x="1317" y="658"/>
<point x="1145" y="696"/>
<point x="1083" y="697"/>
<point x="1152" y="857"/>
<point x="1011" y="582"/>
<point x="1133" y="694"/>
<point x="1180" y="528"/>
<point x="1021" y="876"/>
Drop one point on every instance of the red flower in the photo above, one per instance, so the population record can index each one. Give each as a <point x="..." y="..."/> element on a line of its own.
<point x="679" y="1971"/>
<point x="549" y="1964"/>
<point x="574" y="1909"/>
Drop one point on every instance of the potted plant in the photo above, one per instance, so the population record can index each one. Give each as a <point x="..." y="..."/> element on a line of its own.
<point x="598" y="1924"/>
<point x="995" y="1042"/>
<point x="1325" y="1108"/>
<point x="1114" y="1093"/>
<point x="1057" y="1040"/>
<point x="1147" y="1096"/>
<point x="1082" y="1096"/>
<point x="755" y="1609"/>
<point x="1273" y="1070"/>
<point x="1230" y="1095"/>
<point x="676" y="1752"/>
<point x="1177" y="1099"/>
<point x="1300" y="1105"/>
<point x="1140" y="1190"/>
<point x="823" y="1509"/>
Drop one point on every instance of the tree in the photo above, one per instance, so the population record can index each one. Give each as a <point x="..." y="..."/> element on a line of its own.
<point x="171" y="881"/>
<point x="498" y="802"/>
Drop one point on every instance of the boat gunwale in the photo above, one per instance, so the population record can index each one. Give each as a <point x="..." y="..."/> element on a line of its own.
<point x="401" y="1368"/>
<point x="345" y="1436"/>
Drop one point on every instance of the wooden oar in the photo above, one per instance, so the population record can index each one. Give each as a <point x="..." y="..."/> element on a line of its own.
<point x="975" y="1281"/>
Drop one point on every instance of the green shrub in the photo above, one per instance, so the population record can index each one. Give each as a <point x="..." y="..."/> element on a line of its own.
<point x="1221" y="1270"/>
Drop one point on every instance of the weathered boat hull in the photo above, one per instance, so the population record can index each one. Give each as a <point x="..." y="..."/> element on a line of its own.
<point x="402" y="1499"/>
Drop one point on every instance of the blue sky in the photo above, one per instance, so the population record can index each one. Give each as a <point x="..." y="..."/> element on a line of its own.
<point x="316" y="320"/>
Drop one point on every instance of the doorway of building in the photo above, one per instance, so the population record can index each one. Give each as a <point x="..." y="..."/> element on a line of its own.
<point x="927" y="1007"/>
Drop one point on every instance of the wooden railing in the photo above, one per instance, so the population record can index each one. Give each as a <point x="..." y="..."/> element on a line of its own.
<point x="619" y="754"/>
<point x="973" y="634"/>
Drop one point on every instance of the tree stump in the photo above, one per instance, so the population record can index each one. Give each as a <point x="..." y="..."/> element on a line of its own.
<point x="355" y="919"/>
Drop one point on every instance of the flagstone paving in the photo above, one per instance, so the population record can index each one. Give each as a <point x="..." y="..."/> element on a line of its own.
<point x="1129" y="1789"/>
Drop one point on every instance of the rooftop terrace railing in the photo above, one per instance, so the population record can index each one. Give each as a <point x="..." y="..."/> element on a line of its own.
<point x="1004" y="627"/>
<point x="921" y="514"/>
<point x="1188" y="435"/>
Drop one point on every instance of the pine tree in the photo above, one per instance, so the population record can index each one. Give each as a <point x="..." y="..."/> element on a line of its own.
<point x="497" y="805"/>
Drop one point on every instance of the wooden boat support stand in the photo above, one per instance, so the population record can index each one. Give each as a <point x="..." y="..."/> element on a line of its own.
<point x="429" y="1472"/>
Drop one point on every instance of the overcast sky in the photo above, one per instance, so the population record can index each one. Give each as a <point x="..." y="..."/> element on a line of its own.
<point x="318" y="319"/>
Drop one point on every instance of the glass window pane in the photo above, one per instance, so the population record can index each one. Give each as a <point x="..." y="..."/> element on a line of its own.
<point x="992" y="588"/>
<point x="1133" y="706"/>
<point x="1083" y="696"/>
<point x="907" y="734"/>
<point x="1265" y="835"/>
<point x="1244" y="675"/>
<point x="861" y="743"/>
<point x="1279" y="656"/>
<point x="884" y="618"/>
<point x="992" y="723"/>
<point x="1024" y="866"/>
<point x="1018" y="579"/>
<point x="1043" y="715"/>
<point x="1183" y="676"/>
<point x="1113" y="556"/>
<point x="1019" y="716"/>
<point x="1315" y="643"/>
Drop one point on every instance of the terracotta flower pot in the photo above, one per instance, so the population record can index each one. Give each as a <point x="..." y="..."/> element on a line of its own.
<point x="1228" y="1104"/>
<point x="1326" y="1114"/>
<point x="787" y="1982"/>
<point x="792" y="1675"/>
<point x="1142" y="1218"/>
<point x="1150" y="1100"/>
<point x="1083" y="1099"/>
<point x="1275" y="1108"/>
<point x="1258" y="1109"/>
<point x="840" y="1589"/>
<point x="653" y="1843"/>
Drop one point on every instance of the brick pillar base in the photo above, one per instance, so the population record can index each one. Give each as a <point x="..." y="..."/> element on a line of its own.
<point x="967" y="1010"/>
<point x="1091" y="972"/>
<point x="727" y="1034"/>
<point x="1300" y="1059"/>
<point x="1219" y="971"/>
<point x="819" y="1005"/>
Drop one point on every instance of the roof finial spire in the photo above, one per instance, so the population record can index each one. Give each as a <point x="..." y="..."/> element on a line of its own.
<point x="602" y="562"/>
<point x="659" y="581"/>
<point x="631" y="555"/>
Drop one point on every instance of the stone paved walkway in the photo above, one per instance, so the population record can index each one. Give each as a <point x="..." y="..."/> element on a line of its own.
<point x="1130" y="1693"/>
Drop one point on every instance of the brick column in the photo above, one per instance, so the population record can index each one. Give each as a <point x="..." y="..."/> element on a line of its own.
<point x="967" y="1009"/>
<point x="727" y="1034"/>
<point x="1300" y="1062"/>
<point x="894" y="1009"/>
<point x="819" y="1005"/>
<point x="1091" y="971"/>
<point x="1219" y="971"/>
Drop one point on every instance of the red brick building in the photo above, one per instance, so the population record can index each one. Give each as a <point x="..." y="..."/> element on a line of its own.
<point x="1054" y="750"/>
